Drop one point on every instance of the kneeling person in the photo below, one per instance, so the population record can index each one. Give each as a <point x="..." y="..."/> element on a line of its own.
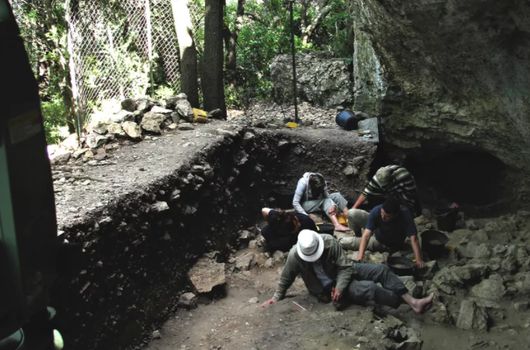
<point x="328" y="274"/>
<point x="391" y="224"/>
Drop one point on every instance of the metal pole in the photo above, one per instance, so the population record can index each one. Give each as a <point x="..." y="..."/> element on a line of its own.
<point x="296" y="120"/>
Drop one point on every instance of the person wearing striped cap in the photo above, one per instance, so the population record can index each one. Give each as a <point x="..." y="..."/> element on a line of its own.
<point x="395" y="181"/>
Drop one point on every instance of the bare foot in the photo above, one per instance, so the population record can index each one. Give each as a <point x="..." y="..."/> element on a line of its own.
<point x="341" y="228"/>
<point x="419" y="306"/>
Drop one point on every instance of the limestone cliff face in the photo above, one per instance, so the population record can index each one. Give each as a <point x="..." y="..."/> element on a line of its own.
<point x="446" y="74"/>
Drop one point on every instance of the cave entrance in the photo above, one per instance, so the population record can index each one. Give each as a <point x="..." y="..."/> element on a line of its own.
<point x="471" y="178"/>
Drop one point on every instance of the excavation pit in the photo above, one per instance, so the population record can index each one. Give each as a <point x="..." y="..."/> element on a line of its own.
<point x="149" y="215"/>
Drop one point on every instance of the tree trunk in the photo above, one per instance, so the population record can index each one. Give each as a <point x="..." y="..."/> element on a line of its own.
<point x="212" y="64"/>
<point x="309" y="30"/>
<point x="231" y="56"/>
<point x="188" y="53"/>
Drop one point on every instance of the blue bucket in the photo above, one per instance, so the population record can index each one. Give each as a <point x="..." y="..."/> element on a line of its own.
<point x="346" y="120"/>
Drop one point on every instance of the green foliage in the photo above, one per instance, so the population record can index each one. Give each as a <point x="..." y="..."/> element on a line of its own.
<point x="163" y="92"/>
<point x="265" y="33"/>
<point x="54" y="114"/>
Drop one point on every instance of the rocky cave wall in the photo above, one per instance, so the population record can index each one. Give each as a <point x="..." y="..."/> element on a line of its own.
<point x="137" y="249"/>
<point x="448" y="75"/>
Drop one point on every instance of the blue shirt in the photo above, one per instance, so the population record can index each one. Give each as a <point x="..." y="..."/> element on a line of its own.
<point x="391" y="233"/>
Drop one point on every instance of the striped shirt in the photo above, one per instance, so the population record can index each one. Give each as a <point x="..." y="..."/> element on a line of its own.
<point x="402" y="185"/>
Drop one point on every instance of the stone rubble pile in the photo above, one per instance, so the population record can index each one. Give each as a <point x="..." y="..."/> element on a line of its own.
<point x="487" y="274"/>
<point x="131" y="120"/>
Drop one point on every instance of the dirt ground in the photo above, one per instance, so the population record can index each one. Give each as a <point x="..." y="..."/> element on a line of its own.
<point x="237" y="320"/>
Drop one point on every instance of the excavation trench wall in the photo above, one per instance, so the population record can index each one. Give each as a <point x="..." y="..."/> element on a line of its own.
<point x="138" y="246"/>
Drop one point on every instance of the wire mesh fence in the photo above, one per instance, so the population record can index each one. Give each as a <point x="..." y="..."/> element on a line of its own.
<point x="120" y="49"/>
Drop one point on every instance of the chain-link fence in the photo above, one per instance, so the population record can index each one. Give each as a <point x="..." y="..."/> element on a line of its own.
<point x="117" y="49"/>
<point x="120" y="49"/>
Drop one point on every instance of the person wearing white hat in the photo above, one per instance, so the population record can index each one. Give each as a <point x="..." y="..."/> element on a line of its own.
<point x="329" y="275"/>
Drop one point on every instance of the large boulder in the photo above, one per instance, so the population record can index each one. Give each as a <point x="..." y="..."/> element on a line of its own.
<point x="472" y="316"/>
<point x="490" y="289"/>
<point x="321" y="79"/>
<point x="207" y="274"/>
<point x="448" y="74"/>
<point x="152" y="121"/>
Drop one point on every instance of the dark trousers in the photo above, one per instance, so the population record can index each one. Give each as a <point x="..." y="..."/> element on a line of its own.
<point x="364" y="287"/>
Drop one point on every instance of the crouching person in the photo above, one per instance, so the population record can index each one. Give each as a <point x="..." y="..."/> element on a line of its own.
<point x="283" y="227"/>
<point x="385" y="229"/>
<point x="329" y="275"/>
<point x="311" y="196"/>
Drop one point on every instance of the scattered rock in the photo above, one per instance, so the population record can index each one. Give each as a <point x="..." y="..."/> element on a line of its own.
<point x="100" y="154"/>
<point x="350" y="170"/>
<point x="160" y="110"/>
<point x="224" y="132"/>
<point x="473" y="250"/>
<point x="440" y="314"/>
<point x="132" y="130"/>
<point x="143" y="104"/>
<point x="188" y="300"/>
<point x="156" y="335"/>
<point x="116" y="129"/>
<point x="245" y="236"/>
<point x="183" y="107"/>
<point x="71" y="143"/>
<point x="279" y="257"/>
<point x="186" y="126"/>
<point x="244" y="262"/>
<point x="159" y="207"/>
<point x="216" y="114"/>
<point x="94" y="140"/>
<point x="253" y="300"/>
<point x="120" y="117"/>
<point x="207" y="274"/>
<point x="491" y="288"/>
<point x="59" y="156"/>
<point x="129" y="104"/>
<point x="472" y="316"/>
<point x="99" y="127"/>
<point x="151" y="122"/>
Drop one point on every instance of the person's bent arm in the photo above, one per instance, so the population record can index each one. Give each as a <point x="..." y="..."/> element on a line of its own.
<point x="298" y="194"/>
<point x="417" y="251"/>
<point x="289" y="273"/>
<point x="359" y="201"/>
<point x="364" y="243"/>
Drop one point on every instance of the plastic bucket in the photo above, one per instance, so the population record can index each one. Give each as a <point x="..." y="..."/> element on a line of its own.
<point x="446" y="219"/>
<point x="433" y="243"/>
<point x="346" y="120"/>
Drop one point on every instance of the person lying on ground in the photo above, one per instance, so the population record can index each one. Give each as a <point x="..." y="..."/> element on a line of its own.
<point x="283" y="227"/>
<point x="385" y="229"/>
<point x="392" y="180"/>
<point x="330" y="276"/>
<point x="311" y="195"/>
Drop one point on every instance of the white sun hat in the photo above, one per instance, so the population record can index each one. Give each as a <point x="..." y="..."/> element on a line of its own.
<point x="310" y="245"/>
